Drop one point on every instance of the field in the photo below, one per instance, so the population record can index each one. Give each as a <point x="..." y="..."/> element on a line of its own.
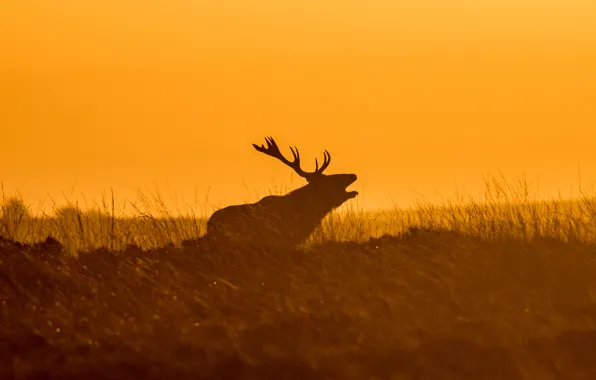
<point x="503" y="288"/>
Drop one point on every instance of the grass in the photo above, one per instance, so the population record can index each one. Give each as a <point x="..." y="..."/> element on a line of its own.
<point x="507" y="210"/>
<point x="502" y="287"/>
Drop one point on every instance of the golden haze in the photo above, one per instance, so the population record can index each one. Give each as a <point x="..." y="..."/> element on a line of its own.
<point x="414" y="97"/>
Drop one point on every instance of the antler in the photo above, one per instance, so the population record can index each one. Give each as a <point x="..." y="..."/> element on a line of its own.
<point x="273" y="150"/>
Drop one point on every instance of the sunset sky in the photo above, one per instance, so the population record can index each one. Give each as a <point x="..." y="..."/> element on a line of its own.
<point x="415" y="97"/>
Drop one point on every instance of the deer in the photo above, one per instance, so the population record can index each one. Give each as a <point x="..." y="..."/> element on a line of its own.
<point x="283" y="221"/>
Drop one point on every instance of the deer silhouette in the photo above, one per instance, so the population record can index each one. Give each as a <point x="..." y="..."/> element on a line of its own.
<point x="283" y="221"/>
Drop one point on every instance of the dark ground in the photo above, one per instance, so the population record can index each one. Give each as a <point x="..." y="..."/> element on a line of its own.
<point x="429" y="305"/>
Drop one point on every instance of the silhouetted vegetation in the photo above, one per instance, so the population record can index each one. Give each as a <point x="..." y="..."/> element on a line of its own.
<point x="507" y="210"/>
<point x="14" y="217"/>
<point x="499" y="289"/>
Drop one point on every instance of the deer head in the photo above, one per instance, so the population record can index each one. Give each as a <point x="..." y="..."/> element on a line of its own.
<point x="328" y="187"/>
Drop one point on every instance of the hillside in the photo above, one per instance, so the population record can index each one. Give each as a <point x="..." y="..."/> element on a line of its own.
<point x="423" y="305"/>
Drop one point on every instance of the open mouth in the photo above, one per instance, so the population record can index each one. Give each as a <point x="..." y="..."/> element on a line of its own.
<point x="351" y="194"/>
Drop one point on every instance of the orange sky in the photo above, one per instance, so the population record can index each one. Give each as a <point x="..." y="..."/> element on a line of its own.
<point x="413" y="96"/>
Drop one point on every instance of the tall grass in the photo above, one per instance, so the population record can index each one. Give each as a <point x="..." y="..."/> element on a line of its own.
<point x="507" y="209"/>
<point x="148" y="224"/>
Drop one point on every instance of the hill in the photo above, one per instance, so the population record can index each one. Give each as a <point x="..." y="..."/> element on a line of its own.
<point x="428" y="304"/>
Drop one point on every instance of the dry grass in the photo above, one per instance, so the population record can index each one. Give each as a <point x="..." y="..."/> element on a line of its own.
<point x="507" y="209"/>
<point x="432" y="305"/>
<point x="511" y="303"/>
